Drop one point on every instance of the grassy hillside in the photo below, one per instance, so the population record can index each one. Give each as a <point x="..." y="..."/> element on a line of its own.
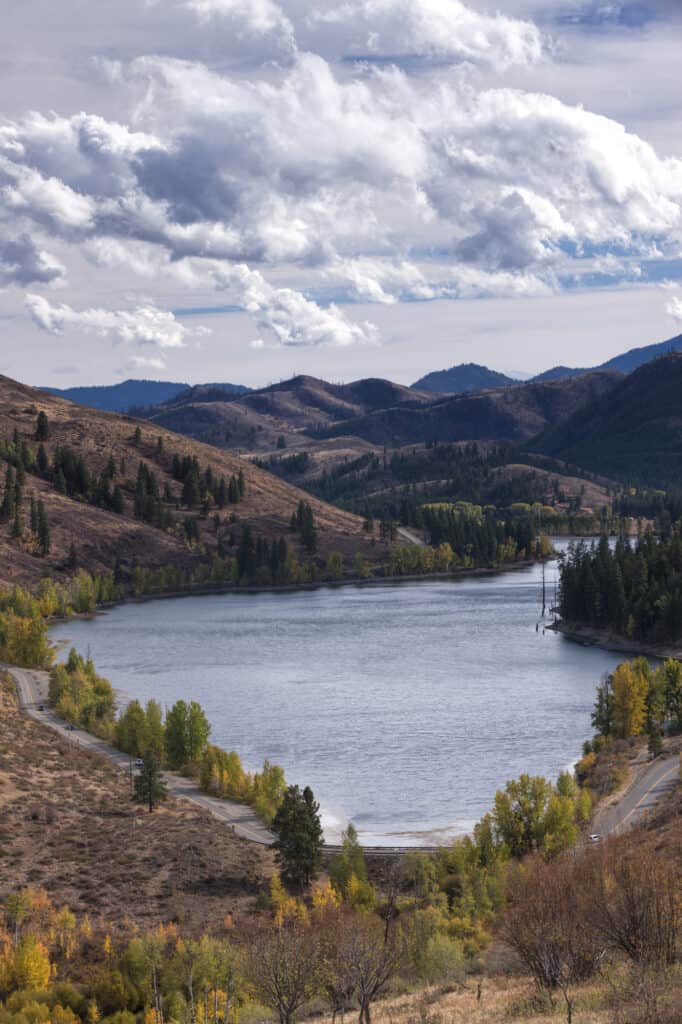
<point x="512" y="414"/>
<point x="100" y="535"/>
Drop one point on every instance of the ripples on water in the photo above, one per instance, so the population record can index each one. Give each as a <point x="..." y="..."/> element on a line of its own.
<point x="404" y="706"/>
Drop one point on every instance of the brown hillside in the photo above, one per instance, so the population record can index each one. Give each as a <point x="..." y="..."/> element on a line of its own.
<point x="100" y="536"/>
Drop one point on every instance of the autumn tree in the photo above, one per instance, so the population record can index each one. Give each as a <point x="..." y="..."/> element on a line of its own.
<point x="630" y="692"/>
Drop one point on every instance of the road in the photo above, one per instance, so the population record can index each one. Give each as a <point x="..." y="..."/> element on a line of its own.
<point x="411" y="537"/>
<point x="650" y="787"/>
<point x="32" y="687"/>
<point x="652" y="784"/>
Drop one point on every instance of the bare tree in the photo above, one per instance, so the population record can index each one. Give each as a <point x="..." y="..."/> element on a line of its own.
<point x="547" y="926"/>
<point x="636" y="902"/>
<point x="369" y="960"/>
<point x="283" y="966"/>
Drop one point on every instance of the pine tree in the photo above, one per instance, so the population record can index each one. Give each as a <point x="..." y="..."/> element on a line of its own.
<point x="299" y="839"/>
<point x="17" y="532"/>
<point x="42" y="461"/>
<point x="150" y="788"/>
<point x="43" y="530"/>
<point x="42" y="427"/>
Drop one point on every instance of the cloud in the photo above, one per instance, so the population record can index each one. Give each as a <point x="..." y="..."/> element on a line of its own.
<point x="146" y="324"/>
<point x="674" y="308"/>
<point x="440" y="29"/>
<point x="255" y="17"/>
<point x="375" y="184"/>
<point x="23" y="263"/>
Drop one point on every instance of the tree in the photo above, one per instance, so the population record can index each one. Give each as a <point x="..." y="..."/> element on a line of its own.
<point x="547" y="924"/>
<point x="198" y="732"/>
<point x="371" y="960"/>
<point x="299" y="839"/>
<point x="349" y="863"/>
<point x="630" y="692"/>
<point x="176" y="734"/>
<point x="43" y="530"/>
<point x="282" y="964"/>
<point x="531" y="815"/>
<point x="150" y="788"/>
<point x="42" y="427"/>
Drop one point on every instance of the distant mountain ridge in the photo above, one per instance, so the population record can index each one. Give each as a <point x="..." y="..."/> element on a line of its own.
<point x="132" y="394"/>
<point x="462" y="379"/>
<point x="624" y="363"/>
<point x="466" y="378"/>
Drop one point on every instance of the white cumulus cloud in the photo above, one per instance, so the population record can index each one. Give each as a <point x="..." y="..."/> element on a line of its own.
<point x="145" y="324"/>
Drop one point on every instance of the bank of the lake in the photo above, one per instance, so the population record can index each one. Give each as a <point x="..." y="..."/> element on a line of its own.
<point x="588" y="635"/>
<point x="404" y="707"/>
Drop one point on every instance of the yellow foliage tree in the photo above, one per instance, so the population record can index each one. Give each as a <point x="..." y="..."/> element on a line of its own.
<point x="32" y="968"/>
<point x="630" y="692"/>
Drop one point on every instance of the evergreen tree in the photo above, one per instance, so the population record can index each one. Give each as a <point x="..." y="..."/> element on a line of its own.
<point x="17" y="531"/>
<point x="150" y="788"/>
<point x="43" y="530"/>
<point x="42" y="427"/>
<point x="299" y="839"/>
<point x="42" y="461"/>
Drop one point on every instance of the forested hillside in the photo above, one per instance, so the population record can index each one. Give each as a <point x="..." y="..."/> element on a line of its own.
<point x="632" y="432"/>
<point x="80" y="488"/>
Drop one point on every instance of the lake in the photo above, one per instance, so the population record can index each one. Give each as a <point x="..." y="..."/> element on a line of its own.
<point x="404" y="706"/>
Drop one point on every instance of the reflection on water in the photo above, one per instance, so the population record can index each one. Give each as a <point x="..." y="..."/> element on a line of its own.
<point x="404" y="706"/>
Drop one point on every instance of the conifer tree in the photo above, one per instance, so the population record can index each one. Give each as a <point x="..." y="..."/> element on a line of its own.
<point x="299" y="839"/>
<point x="150" y="788"/>
<point x="42" y="427"/>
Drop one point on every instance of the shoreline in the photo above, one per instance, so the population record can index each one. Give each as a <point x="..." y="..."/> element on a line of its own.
<point x="589" y="636"/>
<point x="206" y="590"/>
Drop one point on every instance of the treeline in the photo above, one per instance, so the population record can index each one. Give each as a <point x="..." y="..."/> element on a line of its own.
<point x="24" y="616"/>
<point x="664" y="507"/>
<point x="633" y="590"/>
<point x="179" y="740"/>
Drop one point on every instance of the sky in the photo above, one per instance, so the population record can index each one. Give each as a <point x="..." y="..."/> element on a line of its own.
<point x="242" y="190"/>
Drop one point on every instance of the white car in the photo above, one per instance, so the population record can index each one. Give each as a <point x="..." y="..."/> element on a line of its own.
<point x="139" y="763"/>
<point x="594" y="838"/>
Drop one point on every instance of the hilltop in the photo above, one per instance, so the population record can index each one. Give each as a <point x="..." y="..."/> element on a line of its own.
<point x="292" y="409"/>
<point x="131" y="394"/>
<point x="111" y="448"/>
<point x="462" y="379"/>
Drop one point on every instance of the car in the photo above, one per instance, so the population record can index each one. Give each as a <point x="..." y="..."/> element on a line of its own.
<point x="139" y="763"/>
<point x="594" y="838"/>
<point x="41" y="707"/>
<point x="71" y="728"/>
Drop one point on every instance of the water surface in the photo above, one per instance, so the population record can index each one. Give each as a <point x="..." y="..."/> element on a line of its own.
<point x="404" y="706"/>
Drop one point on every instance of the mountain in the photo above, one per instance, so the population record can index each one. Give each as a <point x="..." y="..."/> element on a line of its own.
<point x="131" y="394"/>
<point x="289" y="409"/>
<point x="634" y="433"/>
<point x="462" y="379"/>
<point x="624" y="363"/>
<point x="512" y="414"/>
<point x="106" y="442"/>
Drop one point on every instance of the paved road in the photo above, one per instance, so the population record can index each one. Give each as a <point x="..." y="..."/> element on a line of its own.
<point x="651" y="786"/>
<point x="32" y="690"/>
<point x="411" y="537"/>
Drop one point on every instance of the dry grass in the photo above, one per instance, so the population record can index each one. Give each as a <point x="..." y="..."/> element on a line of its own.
<point x="101" y="536"/>
<point x="68" y="825"/>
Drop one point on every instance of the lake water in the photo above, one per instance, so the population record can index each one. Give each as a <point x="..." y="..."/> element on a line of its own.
<point x="405" y="707"/>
